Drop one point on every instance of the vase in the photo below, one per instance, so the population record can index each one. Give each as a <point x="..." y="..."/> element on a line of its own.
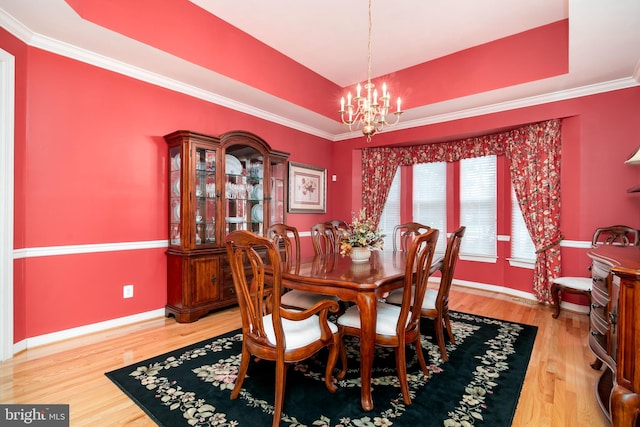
<point x="360" y="254"/>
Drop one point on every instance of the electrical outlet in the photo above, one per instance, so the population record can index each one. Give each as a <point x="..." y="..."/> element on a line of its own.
<point x="127" y="291"/>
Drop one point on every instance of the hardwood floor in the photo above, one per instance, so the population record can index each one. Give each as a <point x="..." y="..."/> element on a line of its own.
<point x="558" y="389"/>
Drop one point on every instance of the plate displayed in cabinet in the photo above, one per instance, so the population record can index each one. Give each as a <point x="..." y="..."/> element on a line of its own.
<point x="176" y="187"/>
<point x="256" y="213"/>
<point x="233" y="165"/>
<point x="257" y="192"/>
<point x="234" y="219"/>
<point x="176" y="212"/>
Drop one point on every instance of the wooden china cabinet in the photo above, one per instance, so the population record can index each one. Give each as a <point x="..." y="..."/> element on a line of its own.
<point x="217" y="184"/>
<point x="615" y="331"/>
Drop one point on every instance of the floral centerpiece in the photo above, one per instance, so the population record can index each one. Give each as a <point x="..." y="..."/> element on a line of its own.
<point x="362" y="233"/>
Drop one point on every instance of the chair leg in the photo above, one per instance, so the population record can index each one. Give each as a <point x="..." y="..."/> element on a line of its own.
<point x="244" y="364"/>
<point x="421" y="359"/>
<point x="439" y="326"/>
<point x="343" y="359"/>
<point x="331" y="363"/>
<point x="447" y="324"/>
<point x="555" y="291"/>
<point x="401" y="367"/>
<point x="281" y="379"/>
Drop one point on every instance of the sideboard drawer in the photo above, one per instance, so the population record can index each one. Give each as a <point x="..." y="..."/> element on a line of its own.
<point x="599" y="323"/>
<point x="599" y="298"/>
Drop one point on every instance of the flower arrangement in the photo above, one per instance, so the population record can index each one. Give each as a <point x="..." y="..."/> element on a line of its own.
<point x="362" y="233"/>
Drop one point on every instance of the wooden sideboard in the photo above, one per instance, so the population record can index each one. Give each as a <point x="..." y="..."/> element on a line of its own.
<point x="615" y="331"/>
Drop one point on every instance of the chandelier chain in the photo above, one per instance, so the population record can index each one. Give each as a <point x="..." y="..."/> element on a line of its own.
<point x="368" y="110"/>
<point x="369" y="47"/>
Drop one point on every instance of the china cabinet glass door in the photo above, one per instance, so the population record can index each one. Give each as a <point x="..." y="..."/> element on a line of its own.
<point x="205" y="196"/>
<point x="244" y="190"/>
<point x="276" y="207"/>
<point x="195" y="216"/>
<point x="175" y="170"/>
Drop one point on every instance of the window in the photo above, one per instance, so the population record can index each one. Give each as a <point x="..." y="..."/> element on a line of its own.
<point x="430" y="198"/>
<point x="522" y="247"/>
<point x="391" y="213"/>
<point x="478" y="187"/>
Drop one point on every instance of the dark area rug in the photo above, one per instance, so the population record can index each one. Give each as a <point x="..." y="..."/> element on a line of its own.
<point x="478" y="386"/>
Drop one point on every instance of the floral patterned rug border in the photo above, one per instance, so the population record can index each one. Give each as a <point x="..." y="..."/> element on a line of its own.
<point x="478" y="386"/>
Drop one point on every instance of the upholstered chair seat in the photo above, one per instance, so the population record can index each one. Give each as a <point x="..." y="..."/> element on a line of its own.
<point x="386" y="320"/>
<point x="303" y="299"/>
<point x="297" y="333"/>
<point x="614" y="235"/>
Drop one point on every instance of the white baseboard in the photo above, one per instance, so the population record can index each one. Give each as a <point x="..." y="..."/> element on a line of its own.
<point x="86" y="329"/>
<point x="519" y="294"/>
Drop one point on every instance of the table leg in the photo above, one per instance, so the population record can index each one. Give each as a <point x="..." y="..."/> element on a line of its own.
<point x="366" y="302"/>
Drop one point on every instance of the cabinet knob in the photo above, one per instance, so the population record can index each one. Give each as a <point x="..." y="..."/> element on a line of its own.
<point x="595" y="305"/>
<point x="214" y="279"/>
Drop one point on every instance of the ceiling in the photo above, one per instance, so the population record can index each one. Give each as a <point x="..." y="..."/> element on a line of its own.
<point x="330" y="38"/>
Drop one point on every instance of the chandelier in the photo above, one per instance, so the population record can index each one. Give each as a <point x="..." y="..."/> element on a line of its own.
<point x="368" y="110"/>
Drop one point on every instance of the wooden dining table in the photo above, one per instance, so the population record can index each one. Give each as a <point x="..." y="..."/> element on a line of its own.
<point x="361" y="283"/>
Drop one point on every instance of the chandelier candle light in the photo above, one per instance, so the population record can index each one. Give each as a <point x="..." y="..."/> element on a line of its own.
<point x="368" y="110"/>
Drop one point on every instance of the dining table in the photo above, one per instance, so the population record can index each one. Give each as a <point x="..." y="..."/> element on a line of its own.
<point x="362" y="283"/>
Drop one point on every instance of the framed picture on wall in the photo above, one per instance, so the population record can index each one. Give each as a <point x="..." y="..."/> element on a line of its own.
<point x="307" y="189"/>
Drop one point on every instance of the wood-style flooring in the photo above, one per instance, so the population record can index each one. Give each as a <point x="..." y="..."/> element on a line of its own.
<point x="558" y="389"/>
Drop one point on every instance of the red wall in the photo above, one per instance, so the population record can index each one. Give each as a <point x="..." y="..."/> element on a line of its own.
<point x="90" y="168"/>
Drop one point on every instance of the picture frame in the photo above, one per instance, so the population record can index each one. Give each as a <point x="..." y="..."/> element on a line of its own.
<point x="307" y="189"/>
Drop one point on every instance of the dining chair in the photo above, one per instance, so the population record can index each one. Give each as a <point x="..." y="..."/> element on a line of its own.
<point x="435" y="303"/>
<point x="288" y="237"/>
<point x="325" y="238"/>
<point x="281" y="335"/>
<point x="613" y="235"/>
<point x="404" y="233"/>
<point x="398" y="326"/>
<point x="339" y="224"/>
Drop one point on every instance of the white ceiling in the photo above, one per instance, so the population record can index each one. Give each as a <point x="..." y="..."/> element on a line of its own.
<point x="330" y="38"/>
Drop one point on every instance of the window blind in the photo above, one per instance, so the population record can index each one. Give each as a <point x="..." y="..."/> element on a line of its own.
<point x="391" y="213"/>
<point x="430" y="198"/>
<point x="522" y="247"/>
<point x="478" y="187"/>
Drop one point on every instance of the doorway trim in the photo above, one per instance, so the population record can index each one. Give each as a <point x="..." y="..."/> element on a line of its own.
<point x="7" y="123"/>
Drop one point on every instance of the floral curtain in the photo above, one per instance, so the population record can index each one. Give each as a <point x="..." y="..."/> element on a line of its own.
<point x="534" y="163"/>
<point x="534" y="155"/>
